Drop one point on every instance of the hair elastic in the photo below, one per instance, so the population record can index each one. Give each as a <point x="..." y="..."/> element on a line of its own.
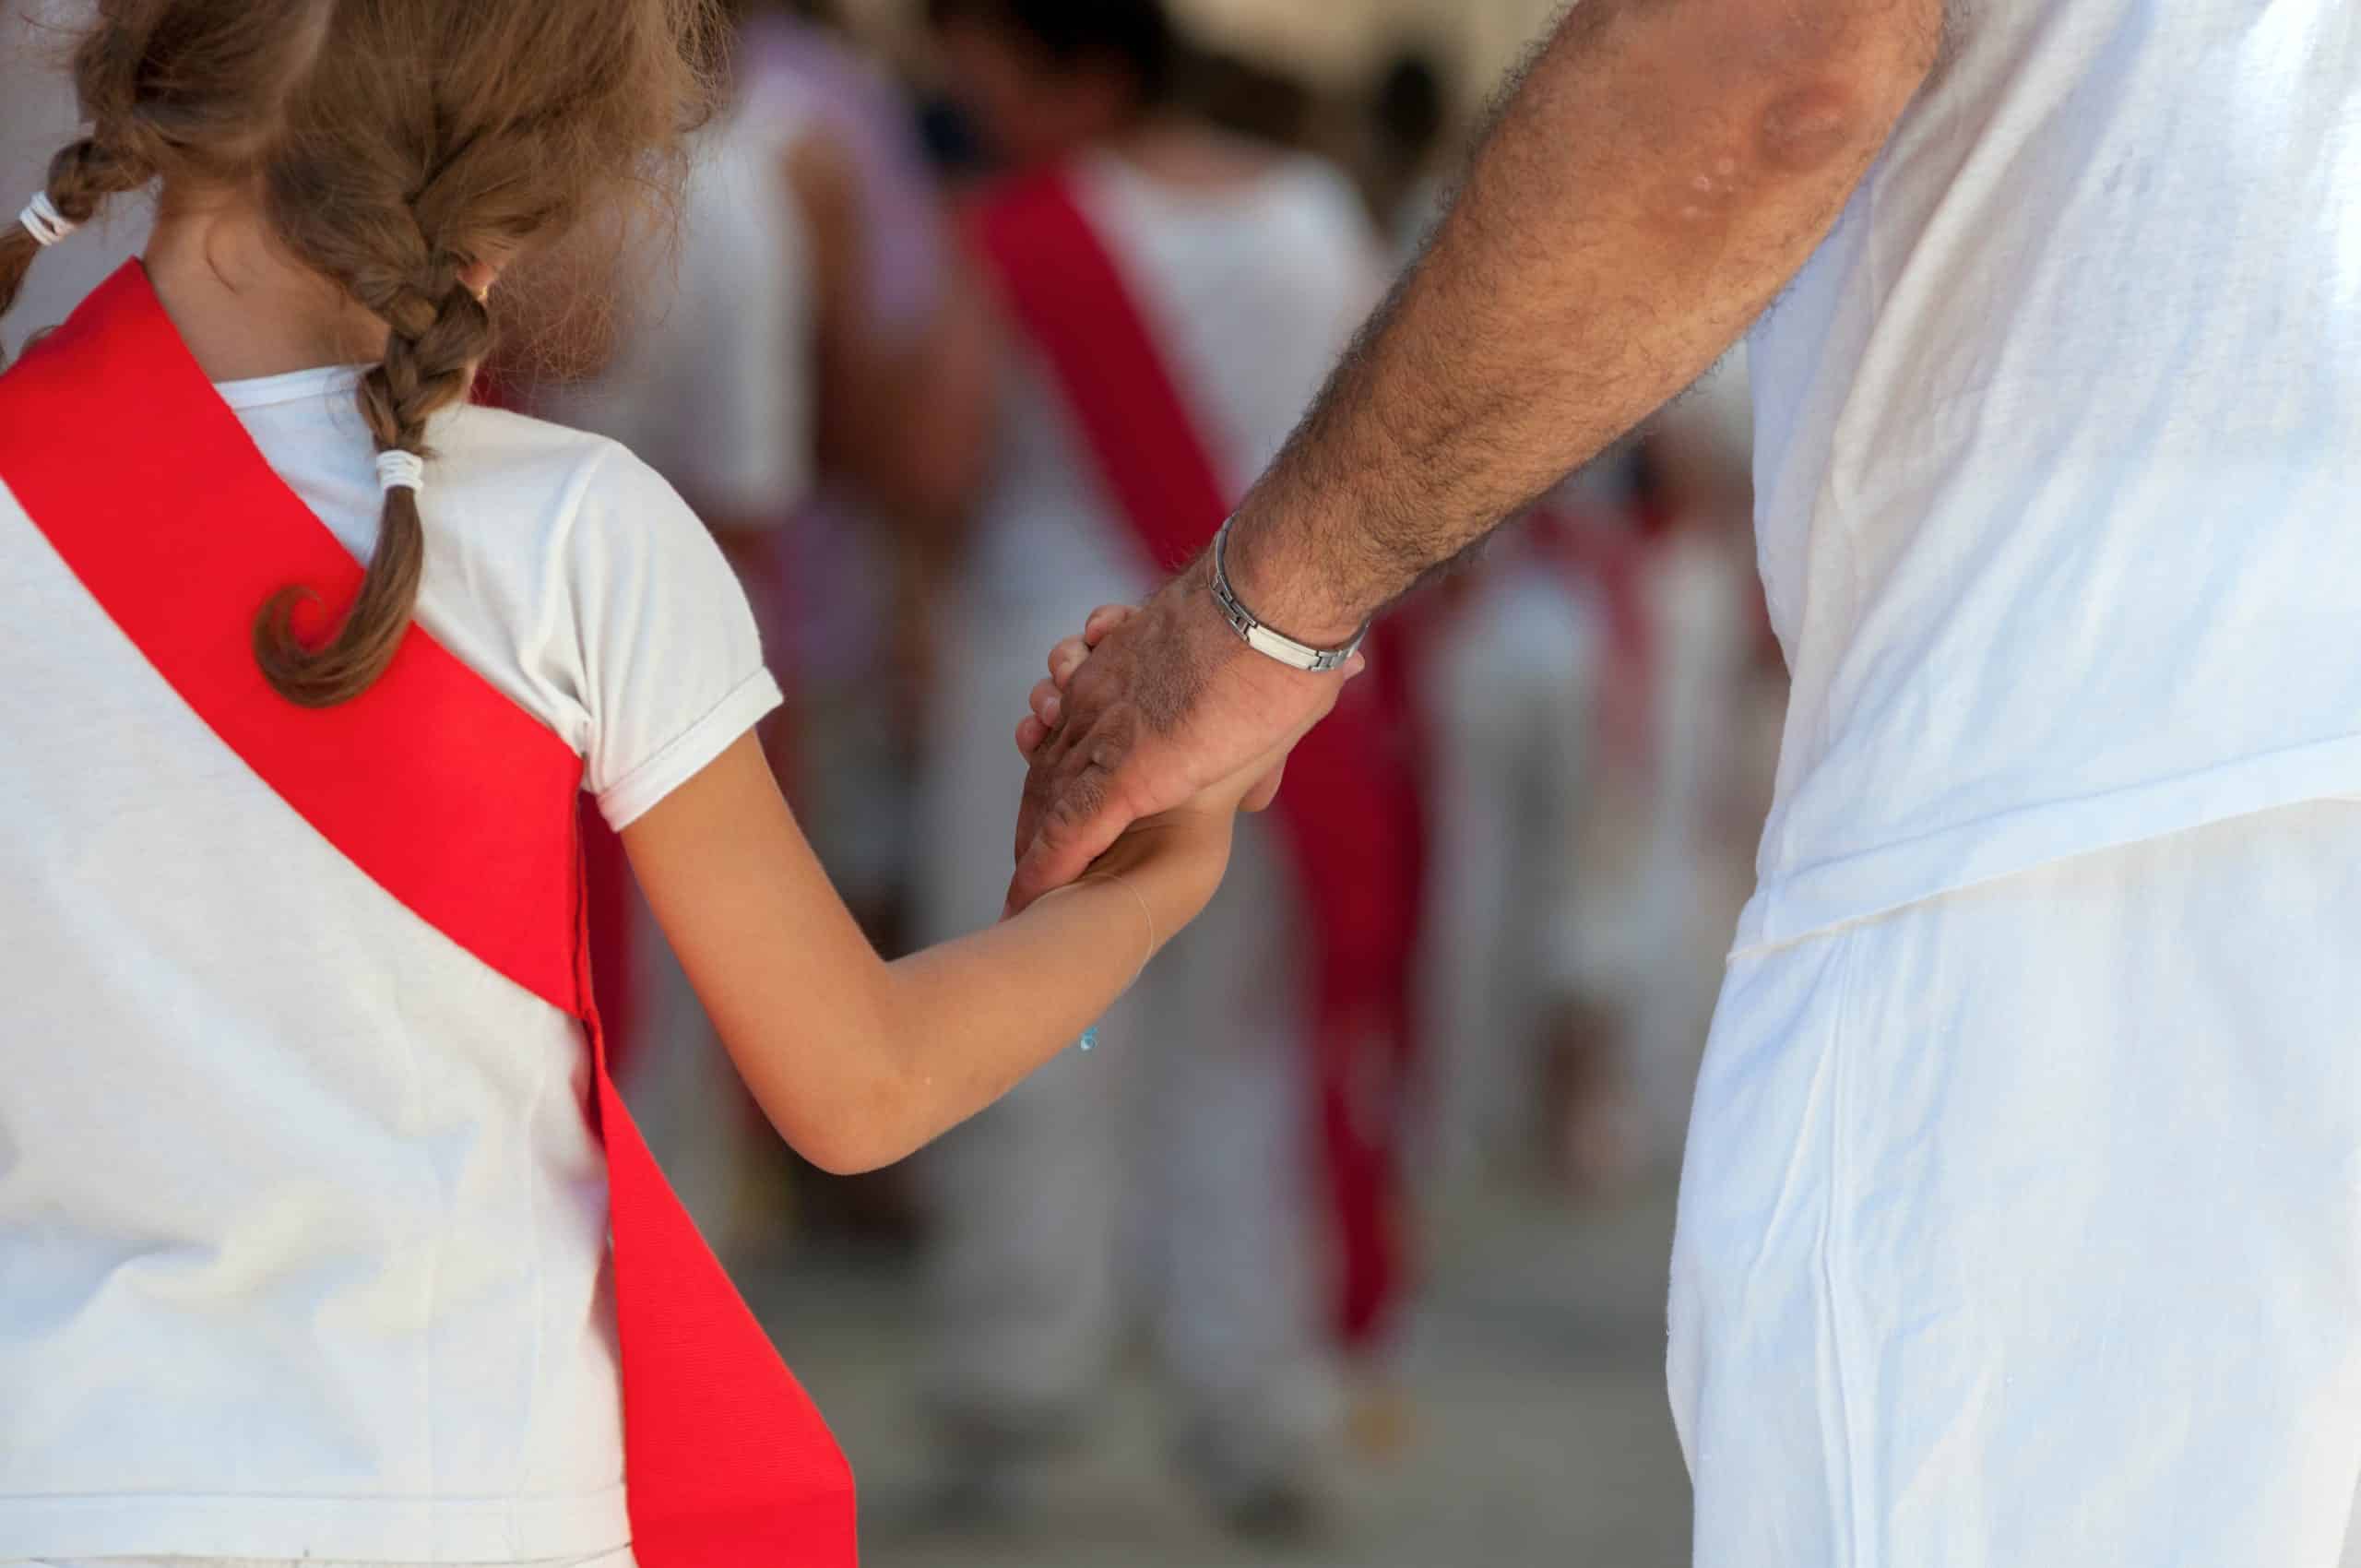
<point x="43" y="221"/>
<point x="401" y="471"/>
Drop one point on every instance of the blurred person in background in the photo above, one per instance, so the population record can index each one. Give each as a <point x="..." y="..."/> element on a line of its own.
<point x="1250" y="97"/>
<point x="905" y="355"/>
<point x="1513" y="652"/>
<point x="1656" y="535"/>
<point x="1411" y="145"/>
<point x="812" y="382"/>
<point x="1716" y="696"/>
<point x="1196" y="287"/>
<point x="1596" y="693"/>
<point x="37" y="117"/>
<point x="1583" y="682"/>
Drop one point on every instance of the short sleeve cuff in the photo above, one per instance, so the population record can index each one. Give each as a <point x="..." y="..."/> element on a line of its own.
<point x="688" y="754"/>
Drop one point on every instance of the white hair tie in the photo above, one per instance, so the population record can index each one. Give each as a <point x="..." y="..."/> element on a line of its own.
<point x="45" y="223"/>
<point x="401" y="471"/>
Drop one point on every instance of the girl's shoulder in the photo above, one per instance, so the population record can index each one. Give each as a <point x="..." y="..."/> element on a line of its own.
<point x="511" y="482"/>
<point x="486" y="455"/>
<point x="574" y="575"/>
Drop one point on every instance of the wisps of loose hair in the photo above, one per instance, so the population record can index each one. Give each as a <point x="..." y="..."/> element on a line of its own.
<point x="392" y="145"/>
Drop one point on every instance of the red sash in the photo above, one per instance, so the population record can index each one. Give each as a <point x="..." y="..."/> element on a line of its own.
<point x="606" y="871"/>
<point x="1351" y="809"/>
<point x="461" y="805"/>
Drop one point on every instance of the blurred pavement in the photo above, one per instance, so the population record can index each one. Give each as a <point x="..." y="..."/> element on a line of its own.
<point x="1538" y="1429"/>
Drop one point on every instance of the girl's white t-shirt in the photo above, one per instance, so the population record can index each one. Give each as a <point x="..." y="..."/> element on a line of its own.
<point x="302" y="1224"/>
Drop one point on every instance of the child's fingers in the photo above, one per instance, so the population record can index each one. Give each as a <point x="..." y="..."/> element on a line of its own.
<point x="1030" y="734"/>
<point x="1259" y="798"/>
<point x="1065" y="658"/>
<point x="1048" y="704"/>
<point x="1104" y="620"/>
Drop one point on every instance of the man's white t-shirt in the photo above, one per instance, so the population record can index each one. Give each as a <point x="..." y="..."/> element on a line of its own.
<point x="2059" y="453"/>
<point x="303" y="1226"/>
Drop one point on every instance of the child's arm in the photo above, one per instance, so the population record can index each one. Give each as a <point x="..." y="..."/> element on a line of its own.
<point x="858" y="1063"/>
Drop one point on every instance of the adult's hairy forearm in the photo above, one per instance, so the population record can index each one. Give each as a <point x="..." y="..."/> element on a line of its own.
<point x="1664" y="169"/>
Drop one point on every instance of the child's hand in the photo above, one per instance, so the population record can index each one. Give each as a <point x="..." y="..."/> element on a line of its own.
<point x="1049" y="695"/>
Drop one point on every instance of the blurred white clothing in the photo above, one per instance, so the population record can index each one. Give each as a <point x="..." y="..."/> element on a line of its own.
<point x="1511" y="701"/>
<point x="1714" y="718"/>
<point x="1660" y="925"/>
<point x="1161" y="1176"/>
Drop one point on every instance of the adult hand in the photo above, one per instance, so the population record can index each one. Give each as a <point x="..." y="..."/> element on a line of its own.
<point x="1252" y="789"/>
<point x="1158" y="705"/>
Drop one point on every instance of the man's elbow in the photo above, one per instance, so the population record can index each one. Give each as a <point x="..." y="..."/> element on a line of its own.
<point x="1820" y="125"/>
<point x="1798" y="115"/>
<point x="1837" y="73"/>
<point x="1774" y="101"/>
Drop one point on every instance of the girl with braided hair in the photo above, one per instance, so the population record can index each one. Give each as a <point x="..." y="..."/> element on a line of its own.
<point x="324" y="1238"/>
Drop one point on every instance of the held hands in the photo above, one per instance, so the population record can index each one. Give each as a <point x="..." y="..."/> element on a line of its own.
<point x="1159" y="716"/>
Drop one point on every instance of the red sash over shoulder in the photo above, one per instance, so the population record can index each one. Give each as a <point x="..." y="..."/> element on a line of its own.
<point x="1350" y="807"/>
<point x="460" y="804"/>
